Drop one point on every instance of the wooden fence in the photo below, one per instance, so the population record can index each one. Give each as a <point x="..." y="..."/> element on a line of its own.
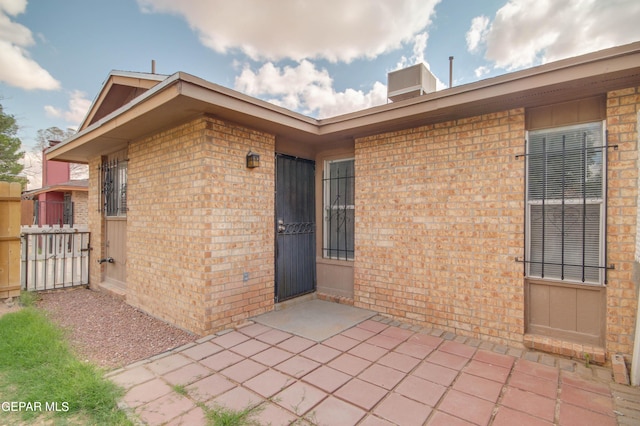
<point x="9" y="239"/>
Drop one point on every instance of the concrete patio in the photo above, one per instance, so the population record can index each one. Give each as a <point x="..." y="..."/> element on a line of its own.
<point x="369" y="371"/>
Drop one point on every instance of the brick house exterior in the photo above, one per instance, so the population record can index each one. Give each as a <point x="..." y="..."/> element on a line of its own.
<point x="438" y="217"/>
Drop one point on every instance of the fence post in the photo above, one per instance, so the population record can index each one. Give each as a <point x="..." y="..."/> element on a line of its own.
<point x="10" y="239"/>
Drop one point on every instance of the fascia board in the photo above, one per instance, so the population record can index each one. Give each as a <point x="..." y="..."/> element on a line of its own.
<point x="545" y="76"/>
<point x="162" y="92"/>
<point x="252" y="109"/>
<point x="119" y="77"/>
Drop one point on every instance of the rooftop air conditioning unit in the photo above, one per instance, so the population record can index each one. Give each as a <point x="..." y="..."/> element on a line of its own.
<point x="410" y="82"/>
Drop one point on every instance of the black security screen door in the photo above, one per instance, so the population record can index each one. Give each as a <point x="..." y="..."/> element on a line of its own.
<point x="295" y="227"/>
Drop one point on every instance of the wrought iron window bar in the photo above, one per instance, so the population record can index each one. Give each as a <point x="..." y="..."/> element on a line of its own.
<point x="337" y="215"/>
<point x="582" y="201"/>
<point x="114" y="187"/>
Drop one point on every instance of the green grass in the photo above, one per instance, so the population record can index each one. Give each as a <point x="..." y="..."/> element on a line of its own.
<point x="221" y="416"/>
<point x="180" y="390"/>
<point x="28" y="298"/>
<point x="37" y="365"/>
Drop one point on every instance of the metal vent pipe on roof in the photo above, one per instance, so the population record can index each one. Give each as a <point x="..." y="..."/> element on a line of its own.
<point x="450" y="72"/>
<point x="153" y="66"/>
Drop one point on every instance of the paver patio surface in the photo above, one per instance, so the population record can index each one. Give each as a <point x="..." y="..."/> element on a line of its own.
<point x="377" y="372"/>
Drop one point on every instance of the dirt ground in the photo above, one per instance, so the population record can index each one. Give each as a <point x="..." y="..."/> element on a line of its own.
<point x="9" y="305"/>
<point x="108" y="332"/>
<point x="105" y="330"/>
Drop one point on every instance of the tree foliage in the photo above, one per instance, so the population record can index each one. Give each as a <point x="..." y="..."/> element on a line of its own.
<point x="51" y="134"/>
<point x="56" y="134"/>
<point x="33" y="159"/>
<point x="10" y="154"/>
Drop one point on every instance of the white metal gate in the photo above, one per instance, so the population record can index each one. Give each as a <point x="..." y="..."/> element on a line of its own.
<point x="54" y="257"/>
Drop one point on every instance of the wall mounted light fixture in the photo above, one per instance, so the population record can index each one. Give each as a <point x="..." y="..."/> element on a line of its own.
<point x="253" y="160"/>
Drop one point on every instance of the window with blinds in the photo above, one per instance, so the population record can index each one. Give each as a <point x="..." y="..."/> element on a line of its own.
<point x="566" y="203"/>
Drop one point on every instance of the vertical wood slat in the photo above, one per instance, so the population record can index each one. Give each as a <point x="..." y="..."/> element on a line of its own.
<point x="10" y="213"/>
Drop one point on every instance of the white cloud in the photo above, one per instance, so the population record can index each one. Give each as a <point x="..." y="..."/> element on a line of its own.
<point x="306" y="89"/>
<point x="332" y="30"/>
<point x="419" y="46"/>
<point x="13" y="7"/>
<point x="482" y="71"/>
<point x="336" y="30"/>
<point x="77" y="108"/>
<point x="417" y="57"/>
<point x="528" y="32"/>
<point x="477" y="32"/>
<point x="24" y="72"/>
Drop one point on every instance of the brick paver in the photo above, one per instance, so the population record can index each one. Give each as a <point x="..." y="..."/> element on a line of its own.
<point x="379" y="372"/>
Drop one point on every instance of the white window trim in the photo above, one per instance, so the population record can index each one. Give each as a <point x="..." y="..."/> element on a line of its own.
<point x="570" y="201"/>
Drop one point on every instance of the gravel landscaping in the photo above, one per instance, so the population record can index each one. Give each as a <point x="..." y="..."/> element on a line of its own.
<point x="108" y="332"/>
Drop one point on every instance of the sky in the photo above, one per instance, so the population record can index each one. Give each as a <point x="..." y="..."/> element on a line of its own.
<point x="320" y="58"/>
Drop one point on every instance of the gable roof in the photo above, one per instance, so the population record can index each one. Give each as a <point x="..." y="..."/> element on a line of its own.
<point x="181" y="97"/>
<point x="120" y="88"/>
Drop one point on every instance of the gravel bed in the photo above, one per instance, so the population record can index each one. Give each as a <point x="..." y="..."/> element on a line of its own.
<point x="108" y="332"/>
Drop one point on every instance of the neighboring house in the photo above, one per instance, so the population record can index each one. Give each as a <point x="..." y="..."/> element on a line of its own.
<point x="504" y="209"/>
<point x="60" y="200"/>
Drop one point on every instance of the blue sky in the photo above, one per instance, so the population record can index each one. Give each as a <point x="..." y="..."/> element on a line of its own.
<point x="321" y="58"/>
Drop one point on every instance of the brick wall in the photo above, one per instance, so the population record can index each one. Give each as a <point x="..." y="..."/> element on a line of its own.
<point x="95" y="222"/>
<point x="439" y="224"/>
<point x="242" y="225"/>
<point x="197" y="220"/>
<point x="80" y="207"/>
<point x="623" y="107"/>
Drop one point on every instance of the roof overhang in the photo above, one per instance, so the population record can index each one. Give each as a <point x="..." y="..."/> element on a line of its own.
<point x="81" y="186"/>
<point x="181" y="97"/>
<point x="120" y="88"/>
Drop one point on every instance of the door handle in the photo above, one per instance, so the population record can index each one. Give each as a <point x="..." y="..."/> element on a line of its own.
<point x="281" y="226"/>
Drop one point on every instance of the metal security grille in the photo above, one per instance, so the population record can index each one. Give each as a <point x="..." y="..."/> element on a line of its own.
<point x="339" y="209"/>
<point x="54" y="257"/>
<point x="295" y="227"/>
<point x="114" y="187"/>
<point x="566" y="203"/>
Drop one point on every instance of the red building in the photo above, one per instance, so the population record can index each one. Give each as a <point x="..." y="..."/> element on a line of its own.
<point x="60" y="200"/>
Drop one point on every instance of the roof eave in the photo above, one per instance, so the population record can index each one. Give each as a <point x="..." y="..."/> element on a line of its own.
<point x="177" y="99"/>
<point x="140" y="80"/>
<point x="183" y="96"/>
<point x="573" y="78"/>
